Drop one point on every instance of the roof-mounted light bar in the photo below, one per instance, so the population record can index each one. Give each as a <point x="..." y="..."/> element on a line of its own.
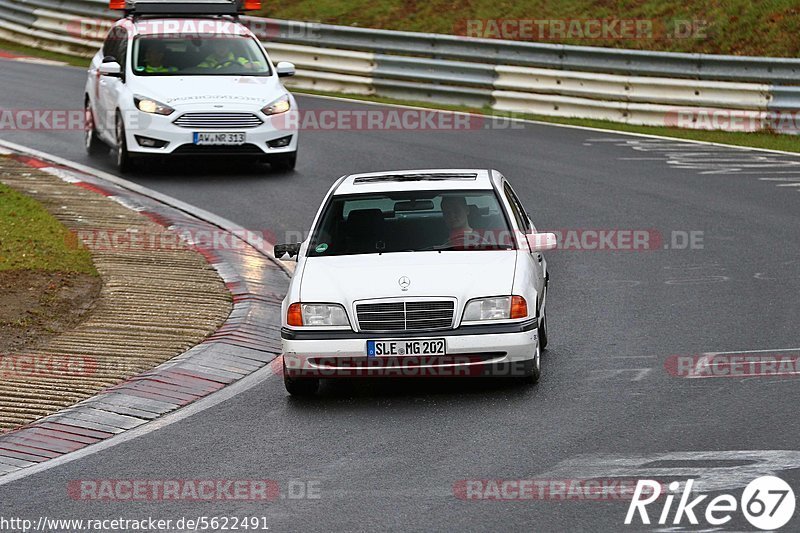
<point x="184" y="7"/>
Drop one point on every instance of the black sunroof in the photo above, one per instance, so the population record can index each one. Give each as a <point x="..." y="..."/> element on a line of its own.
<point x="415" y="177"/>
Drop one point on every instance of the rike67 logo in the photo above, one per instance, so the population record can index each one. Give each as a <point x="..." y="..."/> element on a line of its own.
<point x="767" y="503"/>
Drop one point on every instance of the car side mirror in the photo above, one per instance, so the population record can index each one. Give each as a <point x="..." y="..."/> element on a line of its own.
<point x="285" y="69"/>
<point x="287" y="249"/>
<point x="111" y="68"/>
<point x="542" y="241"/>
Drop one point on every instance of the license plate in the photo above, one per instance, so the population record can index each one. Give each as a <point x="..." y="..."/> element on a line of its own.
<point x="402" y="347"/>
<point x="219" y="139"/>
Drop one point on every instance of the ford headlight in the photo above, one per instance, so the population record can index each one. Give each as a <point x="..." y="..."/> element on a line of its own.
<point x="148" y="105"/>
<point x="495" y="308"/>
<point x="281" y="105"/>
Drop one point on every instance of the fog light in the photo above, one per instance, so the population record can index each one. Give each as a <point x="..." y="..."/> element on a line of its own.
<point x="280" y="143"/>
<point x="147" y="142"/>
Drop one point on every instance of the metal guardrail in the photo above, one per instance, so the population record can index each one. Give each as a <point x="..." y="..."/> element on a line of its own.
<point x="545" y="55"/>
<point x="631" y="86"/>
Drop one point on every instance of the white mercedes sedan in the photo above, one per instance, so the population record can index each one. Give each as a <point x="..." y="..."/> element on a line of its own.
<point x="416" y="273"/>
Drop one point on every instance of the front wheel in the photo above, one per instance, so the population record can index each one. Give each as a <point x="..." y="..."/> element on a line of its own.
<point x="533" y="368"/>
<point x="300" y="386"/>
<point x="284" y="162"/>
<point x="543" y="331"/>
<point x="94" y="146"/>
<point x="123" y="157"/>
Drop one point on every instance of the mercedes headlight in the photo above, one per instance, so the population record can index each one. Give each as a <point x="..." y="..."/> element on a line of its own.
<point x="495" y="308"/>
<point x="317" y="315"/>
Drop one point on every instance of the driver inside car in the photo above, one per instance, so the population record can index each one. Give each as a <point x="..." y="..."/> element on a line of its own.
<point x="222" y="56"/>
<point x="456" y="217"/>
<point x="461" y="235"/>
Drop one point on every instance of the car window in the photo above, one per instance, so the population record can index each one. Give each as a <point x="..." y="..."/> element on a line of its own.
<point x="516" y="208"/>
<point x="411" y="221"/>
<point x="122" y="49"/>
<point x="204" y="55"/>
<point x="116" y="44"/>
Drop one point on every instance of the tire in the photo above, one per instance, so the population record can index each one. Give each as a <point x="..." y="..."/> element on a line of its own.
<point x="300" y="386"/>
<point x="284" y="162"/>
<point x="533" y="368"/>
<point x="94" y="146"/>
<point x="543" y="331"/>
<point x="122" y="157"/>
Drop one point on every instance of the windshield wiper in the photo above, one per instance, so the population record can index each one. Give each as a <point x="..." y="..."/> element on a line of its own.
<point x="450" y="247"/>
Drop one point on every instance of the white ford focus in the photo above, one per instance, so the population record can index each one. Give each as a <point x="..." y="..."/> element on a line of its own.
<point x="416" y="273"/>
<point x="187" y="78"/>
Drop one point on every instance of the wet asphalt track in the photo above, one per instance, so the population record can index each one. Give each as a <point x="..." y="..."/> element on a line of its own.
<point x="386" y="455"/>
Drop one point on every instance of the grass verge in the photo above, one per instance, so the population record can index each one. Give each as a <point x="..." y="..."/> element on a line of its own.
<point x="32" y="239"/>
<point x="20" y="49"/>
<point x="738" y="27"/>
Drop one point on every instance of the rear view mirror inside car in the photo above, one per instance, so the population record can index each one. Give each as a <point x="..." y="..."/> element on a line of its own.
<point x="414" y="205"/>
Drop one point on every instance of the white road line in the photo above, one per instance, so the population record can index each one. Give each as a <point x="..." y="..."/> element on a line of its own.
<point x="223" y="395"/>
<point x="212" y="400"/>
<point x="605" y="374"/>
<point x="754" y="351"/>
<point x="711" y="162"/>
<point x="647" y="136"/>
<point x="654" y="137"/>
<point x="762" y="172"/>
<point x="40" y="61"/>
<point x="702" y="466"/>
<point x="676" y="141"/>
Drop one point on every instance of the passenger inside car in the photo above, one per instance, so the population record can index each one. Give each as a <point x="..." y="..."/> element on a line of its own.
<point x="154" y="53"/>
<point x="382" y="224"/>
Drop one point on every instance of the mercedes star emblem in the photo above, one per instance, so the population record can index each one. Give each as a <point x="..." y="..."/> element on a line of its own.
<point x="404" y="283"/>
